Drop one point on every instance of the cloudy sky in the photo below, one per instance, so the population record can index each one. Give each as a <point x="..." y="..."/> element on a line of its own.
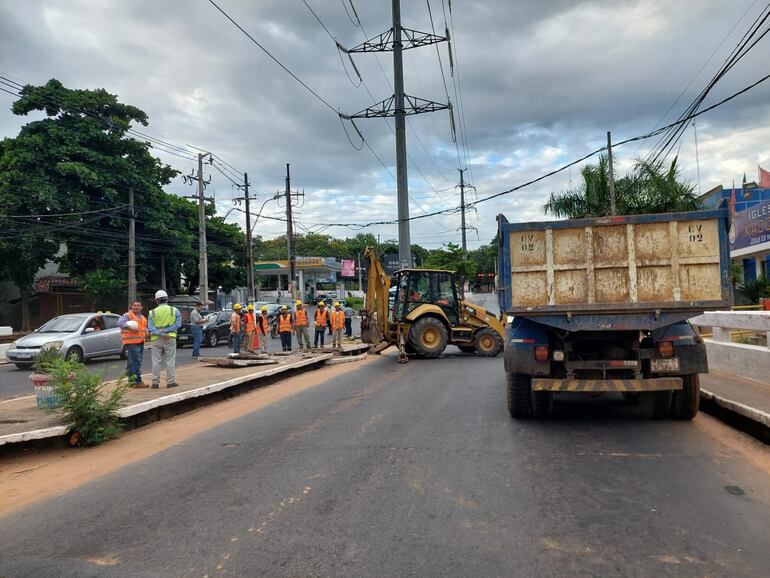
<point x="540" y="83"/>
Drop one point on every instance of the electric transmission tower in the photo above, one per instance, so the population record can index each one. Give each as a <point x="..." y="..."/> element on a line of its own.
<point x="395" y="40"/>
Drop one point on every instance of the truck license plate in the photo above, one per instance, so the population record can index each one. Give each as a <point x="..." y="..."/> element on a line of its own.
<point x="669" y="365"/>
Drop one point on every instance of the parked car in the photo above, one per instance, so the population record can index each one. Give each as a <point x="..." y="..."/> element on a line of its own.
<point x="216" y="330"/>
<point x="82" y="335"/>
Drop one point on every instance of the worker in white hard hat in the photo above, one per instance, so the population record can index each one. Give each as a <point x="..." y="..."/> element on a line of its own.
<point x="163" y="324"/>
<point x="133" y="331"/>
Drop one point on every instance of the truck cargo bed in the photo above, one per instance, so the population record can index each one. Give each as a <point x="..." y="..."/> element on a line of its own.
<point x="639" y="263"/>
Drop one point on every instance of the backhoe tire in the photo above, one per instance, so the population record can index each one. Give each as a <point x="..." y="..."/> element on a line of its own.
<point x="487" y="342"/>
<point x="542" y="404"/>
<point x="428" y="337"/>
<point x="519" y="390"/>
<point x="655" y="404"/>
<point x="684" y="402"/>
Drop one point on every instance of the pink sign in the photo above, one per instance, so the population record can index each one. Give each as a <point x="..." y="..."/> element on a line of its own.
<point x="348" y="268"/>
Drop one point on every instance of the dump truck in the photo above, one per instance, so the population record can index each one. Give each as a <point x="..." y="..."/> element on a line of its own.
<point x="601" y="305"/>
<point x="422" y="313"/>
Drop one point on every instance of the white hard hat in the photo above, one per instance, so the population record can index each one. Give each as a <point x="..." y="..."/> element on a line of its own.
<point x="132" y="325"/>
<point x="161" y="294"/>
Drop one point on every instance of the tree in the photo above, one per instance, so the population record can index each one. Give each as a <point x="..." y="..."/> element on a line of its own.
<point x="453" y="258"/>
<point x="648" y="188"/>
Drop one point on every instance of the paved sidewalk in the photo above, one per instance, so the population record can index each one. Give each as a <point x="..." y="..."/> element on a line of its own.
<point x="745" y="397"/>
<point x="21" y="420"/>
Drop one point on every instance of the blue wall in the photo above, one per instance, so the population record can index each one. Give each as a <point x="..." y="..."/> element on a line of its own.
<point x="721" y="200"/>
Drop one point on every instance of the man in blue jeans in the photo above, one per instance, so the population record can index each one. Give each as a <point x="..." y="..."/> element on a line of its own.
<point x="133" y="331"/>
<point x="196" y="325"/>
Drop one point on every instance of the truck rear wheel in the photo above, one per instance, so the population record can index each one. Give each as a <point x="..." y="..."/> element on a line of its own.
<point x="519" y="390"/>
<point x="542" y="404"/>
<point x="487" y="342"/>
<point x="684" y="402"/>
<point x="428" y="337"/>
<point x="655" y="404"/>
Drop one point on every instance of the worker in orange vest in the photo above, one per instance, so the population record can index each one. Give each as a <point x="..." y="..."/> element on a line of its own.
<point x="285" y="328"/>
<point x="235" y="328"/>
<point x="338" y="324"/>
<point x="133" y="331"/>
<point x="250" y="323"/>
<point x="263" y="329"/>
<point x="321" y="322"/>
<point x="300" y="325"/>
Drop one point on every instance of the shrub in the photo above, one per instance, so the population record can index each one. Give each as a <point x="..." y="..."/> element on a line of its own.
<point x="754" y="291"/>
<point x="84" y="402"/>
<point x="355" y="302"/>
<point x="44" y="360"/>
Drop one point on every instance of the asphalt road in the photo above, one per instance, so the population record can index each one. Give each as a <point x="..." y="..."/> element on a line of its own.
<point x="413" y="470"/>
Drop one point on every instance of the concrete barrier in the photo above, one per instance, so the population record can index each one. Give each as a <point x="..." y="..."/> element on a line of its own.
<point x="3" y="348"/>
<point x="751" y="361"/>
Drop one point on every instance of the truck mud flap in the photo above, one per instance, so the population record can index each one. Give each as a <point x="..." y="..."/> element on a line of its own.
<point x="619" y="385"/>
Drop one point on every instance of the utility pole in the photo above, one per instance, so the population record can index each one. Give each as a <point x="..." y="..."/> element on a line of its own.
<point x="203" y="265"/>
<point x="395" y="106"/>
<point x="290" y="234"/>
<point x="360" y="286"/>
<point x="249" y="256"/>
<point x="131" y="247"/>
<point x="163" y="272"/>
<point x="613" y="206"/>
<point x="462" y="208"/>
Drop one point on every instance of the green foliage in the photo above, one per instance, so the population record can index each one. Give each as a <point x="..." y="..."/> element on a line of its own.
<point x="737" y="272"/>
<point x="648" y="188"/>
<point x="485" y="257"/>
<point x="92" y="410"/>
<point x="99" y="284"/>
<point x="756" y="290"/>
<point x="452" y="258"/>
<point x="45" y="359"/>
<point x="357" y="303"/>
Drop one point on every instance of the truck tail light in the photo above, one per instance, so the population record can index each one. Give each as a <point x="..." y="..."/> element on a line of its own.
<point x="666" y="349"/>
<point x="541" y="352"/>
<point x="558" y="356"/>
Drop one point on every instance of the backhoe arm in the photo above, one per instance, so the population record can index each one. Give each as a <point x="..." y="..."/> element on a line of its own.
<point x="374" y="316"/>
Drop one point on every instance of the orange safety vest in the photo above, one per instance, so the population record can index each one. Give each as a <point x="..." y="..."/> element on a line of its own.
<point x="263" y="325"/>
<point x="128" y="336"/>
<point x="321" y="318"/>
<point x="300" y="317"/>
<point x="338" y="319"/>
<point x="235" y="323"/>
<point x="251" y="326"/>
<point x="284" y="323"/>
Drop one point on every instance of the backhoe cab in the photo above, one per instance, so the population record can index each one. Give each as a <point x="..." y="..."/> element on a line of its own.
<point x="422" y="314"/>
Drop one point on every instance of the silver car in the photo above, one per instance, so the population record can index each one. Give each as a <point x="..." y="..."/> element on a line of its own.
<point x="83" y="335"/>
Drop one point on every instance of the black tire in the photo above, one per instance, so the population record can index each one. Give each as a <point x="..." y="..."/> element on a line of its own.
<point x="213" y="339"/>
<point x="428" y="337"/>
<point x="467" y="348"/>
<point x="487" y="342"/>
<point x="76" y="353"/>
<point x="655" y="404"/>
<point x="23" y="365"/>
<point x="519" y="390"/>
<point x="123" y="353"/>
<point x="542" y="404"/>
<point x="685" y="402"/>
<point x="630" y="398"/>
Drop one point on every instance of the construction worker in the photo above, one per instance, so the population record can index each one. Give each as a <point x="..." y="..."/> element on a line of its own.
<point x="285" y="328"/>
<point x="163" y="323"/>
<point x="337" y="325"/>
<point x="321" y="322"/>
<point x="348" y="320"/>
<point x="235" y="328"/>
<point x="133" y="330"/>
<point x="250" y="329"/>
<point x="300" y="325"/>
<point x="263" y="329"/>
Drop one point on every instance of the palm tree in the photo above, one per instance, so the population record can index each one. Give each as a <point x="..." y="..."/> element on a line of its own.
<point x="648" y="188"/>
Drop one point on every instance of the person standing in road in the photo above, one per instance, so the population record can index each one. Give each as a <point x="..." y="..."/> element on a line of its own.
<point x="321" y="322"/>
<point x="163" y="323"/>
<point x="285" y="328"/>
<point x="235" y="328"/>
<point x="250" y="329"/>
<point x="300" y="326"/>
<point x="263" y="329"/>
<point x="133" y="331"/>
<point x="196" y="325"/>
<point x="337" y="324"/>
<point x="348" y="320"/>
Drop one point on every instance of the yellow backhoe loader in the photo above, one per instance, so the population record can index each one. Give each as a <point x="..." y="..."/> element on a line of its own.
<point x="421" y="314"/>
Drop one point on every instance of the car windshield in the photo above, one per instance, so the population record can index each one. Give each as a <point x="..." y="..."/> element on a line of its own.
<point x="61" y="325"/>
<point x="210" y="318"/>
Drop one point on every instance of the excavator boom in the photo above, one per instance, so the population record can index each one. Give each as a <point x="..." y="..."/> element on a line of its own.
<point x="374" y="316"/>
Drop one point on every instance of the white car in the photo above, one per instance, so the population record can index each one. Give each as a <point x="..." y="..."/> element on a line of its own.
<point x="83" y="335"/>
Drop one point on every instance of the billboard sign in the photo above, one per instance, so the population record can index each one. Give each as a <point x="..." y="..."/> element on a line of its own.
<point x="348" y="268"/>
<point x="750" y="229"/>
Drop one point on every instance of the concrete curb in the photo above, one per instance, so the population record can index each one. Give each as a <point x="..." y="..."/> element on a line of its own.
<point x="145" y="406"/>
<point x="750" y="413"/>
